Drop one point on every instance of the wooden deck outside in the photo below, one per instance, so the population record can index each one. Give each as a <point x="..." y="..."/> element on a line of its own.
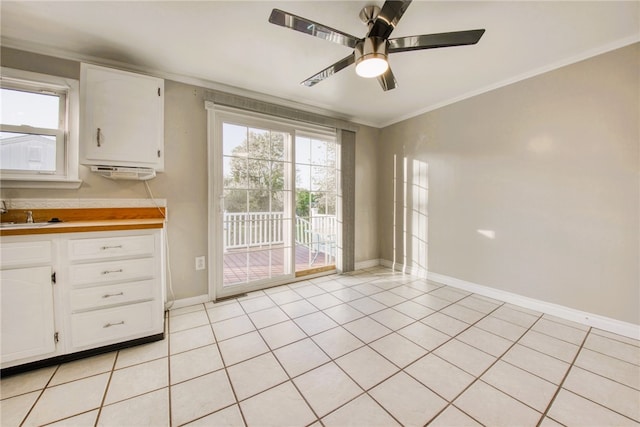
<point x="240" y="266"/>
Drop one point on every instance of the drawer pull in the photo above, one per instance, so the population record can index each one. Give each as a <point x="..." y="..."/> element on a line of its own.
<point x="112" y="295"/>
<point x="108" y="325"/>
<point x="104" y="248"/>
<point x="112" y="271"/>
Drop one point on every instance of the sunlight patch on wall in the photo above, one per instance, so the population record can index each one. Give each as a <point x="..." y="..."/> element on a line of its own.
<point x="491" y="234"/>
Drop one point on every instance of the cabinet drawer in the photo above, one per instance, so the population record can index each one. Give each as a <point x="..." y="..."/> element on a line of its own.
<point x="115" y="324"/>
<point x="111" y="247"/>
<point x="112" y="271"/>
<point x="25" y="253"/>
<point x="103" y="296"/>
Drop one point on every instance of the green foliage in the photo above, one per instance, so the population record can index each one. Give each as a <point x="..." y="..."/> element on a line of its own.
<point x="304" y="200"/>
<point x="262" y="174"/>
<point x="255" y="182"/>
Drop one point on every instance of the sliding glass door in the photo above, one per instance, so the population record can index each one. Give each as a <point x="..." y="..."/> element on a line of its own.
<point x="316" y="196"/>
<point x="256" y="206"/>
<point x="274" y="211"/>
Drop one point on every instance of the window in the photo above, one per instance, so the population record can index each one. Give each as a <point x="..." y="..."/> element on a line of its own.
<point x="38" y="130"/>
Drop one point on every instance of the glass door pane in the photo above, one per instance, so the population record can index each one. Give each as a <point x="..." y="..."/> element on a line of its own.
<point x="257" y="243"/>
<point x="316" y="195"/>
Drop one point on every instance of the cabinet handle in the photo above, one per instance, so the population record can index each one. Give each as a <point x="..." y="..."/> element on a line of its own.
<point x="108" y="325"/>
<point x="112" y="295"/>
<point x="104" y="248"/>
<point x="112" y="271"/>
<point x="98" y="136"/>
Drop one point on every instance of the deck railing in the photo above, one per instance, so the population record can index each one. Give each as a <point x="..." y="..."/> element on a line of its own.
<point x="252" y="229"/>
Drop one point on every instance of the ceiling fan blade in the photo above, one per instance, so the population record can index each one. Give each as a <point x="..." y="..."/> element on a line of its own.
<point x="387" y="80"/>
<point x="329" y="71"/>
<point x="388" y="18"/>
<point x="297" y="23"/>
<point x="432" y="41"/>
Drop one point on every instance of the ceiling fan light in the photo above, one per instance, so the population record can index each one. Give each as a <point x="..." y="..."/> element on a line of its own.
<point x="372" y="67"/>
<point x="371" y="57"/>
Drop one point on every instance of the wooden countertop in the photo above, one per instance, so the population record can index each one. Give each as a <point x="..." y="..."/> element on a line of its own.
<point x="85" y="220"/>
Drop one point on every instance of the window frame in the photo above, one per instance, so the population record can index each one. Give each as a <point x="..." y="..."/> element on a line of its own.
<point x="67" y="135"/>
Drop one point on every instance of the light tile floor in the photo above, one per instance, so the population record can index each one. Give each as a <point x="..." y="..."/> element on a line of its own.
<point x="374" y="348"/>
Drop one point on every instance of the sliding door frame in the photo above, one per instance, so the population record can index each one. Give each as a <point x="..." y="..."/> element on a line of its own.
<point x="216" y="117"/>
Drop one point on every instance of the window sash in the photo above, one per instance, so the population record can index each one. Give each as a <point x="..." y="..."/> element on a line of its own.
<point x="60" y="133"/>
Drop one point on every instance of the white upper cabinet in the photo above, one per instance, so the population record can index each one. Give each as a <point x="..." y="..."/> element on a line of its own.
<point x="122" y="122"/>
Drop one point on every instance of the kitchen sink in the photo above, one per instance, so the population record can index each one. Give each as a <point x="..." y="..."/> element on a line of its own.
<point x="11" y="225"/>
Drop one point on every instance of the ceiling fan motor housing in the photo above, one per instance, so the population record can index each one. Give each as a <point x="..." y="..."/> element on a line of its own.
<point x="371" y="48"/>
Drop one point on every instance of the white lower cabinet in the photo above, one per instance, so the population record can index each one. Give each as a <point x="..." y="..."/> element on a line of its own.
<point x="109" y="289"/>
<point x="112" y="324"/>
<point x="116" y="284"/>
<point x="27" y="313"/>
<point x="109" y="295"/>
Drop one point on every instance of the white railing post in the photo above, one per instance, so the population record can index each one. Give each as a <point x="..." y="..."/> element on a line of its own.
<point x="251" y="229"/>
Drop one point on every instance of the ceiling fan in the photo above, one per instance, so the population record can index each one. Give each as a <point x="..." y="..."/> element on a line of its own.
<point x="370" y="54"/>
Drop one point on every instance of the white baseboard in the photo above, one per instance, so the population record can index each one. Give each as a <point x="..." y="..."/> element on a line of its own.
<point x="367" y="264"/>
<point x="590" y="319"/>
<point x="619" y="327"/>
<point x="414" y="271"/>
<point x="186" y="302"/>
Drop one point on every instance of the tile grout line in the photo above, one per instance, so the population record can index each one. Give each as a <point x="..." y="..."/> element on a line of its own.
<point x="106" y="389"/>
<point x="392" y="331"/>
<point x="566" y="375"/>
<point x="168" y="326"/>
<point x="224" y="367"/>
<point x="616" y="358"/>
<point x="39" y="396"/>
<point x="331" y="359"/>
<point x="607" y="378"/>
<point x="589" y="332"/>
<point x="342" y="325"/>
<point x="477" y="378"/>
<point x="289" y="379"/>
<point x="384" y="357"/>
<point x="594" y="373"/>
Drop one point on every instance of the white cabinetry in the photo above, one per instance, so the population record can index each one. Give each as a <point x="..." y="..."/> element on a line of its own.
<point x="26" y="301"/>
<point x="122" y="122"/>
<point x="115" y="291"/>
<point x="109" y="289"/>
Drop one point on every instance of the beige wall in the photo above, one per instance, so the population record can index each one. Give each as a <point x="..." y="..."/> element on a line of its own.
<point x="184" y="182"/>
<point x="547" y="169"/>
<point x="549" y="165"/>
<point x="366" y="227"/>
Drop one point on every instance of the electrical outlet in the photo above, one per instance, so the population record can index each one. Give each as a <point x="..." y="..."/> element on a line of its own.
<point x="200" y="263"/>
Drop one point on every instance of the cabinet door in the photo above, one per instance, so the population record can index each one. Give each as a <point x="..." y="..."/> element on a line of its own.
<point x="122" y="118"/>
<point x="26" y="301"/>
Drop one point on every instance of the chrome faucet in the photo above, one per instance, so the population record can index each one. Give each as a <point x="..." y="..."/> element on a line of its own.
<point x="29" y="217"/>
